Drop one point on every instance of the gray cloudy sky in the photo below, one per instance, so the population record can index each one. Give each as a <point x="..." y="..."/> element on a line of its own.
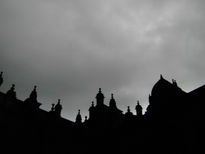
<point x="70" y="48"/>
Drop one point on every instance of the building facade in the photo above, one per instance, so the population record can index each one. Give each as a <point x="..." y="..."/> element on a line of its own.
<point x="173" y="123"/>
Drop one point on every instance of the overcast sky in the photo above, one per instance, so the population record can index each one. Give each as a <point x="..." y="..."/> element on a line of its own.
<point x="70" y="48"/>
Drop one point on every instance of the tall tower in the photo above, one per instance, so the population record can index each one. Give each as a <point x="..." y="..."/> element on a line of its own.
<point x="100" y="98"/>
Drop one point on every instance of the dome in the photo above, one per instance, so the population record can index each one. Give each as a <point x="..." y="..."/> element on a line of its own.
<point x="161" y="87"/>
<point x="100" y="94"/>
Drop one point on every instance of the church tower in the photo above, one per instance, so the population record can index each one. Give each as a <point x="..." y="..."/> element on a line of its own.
<point x="100" y="98"/>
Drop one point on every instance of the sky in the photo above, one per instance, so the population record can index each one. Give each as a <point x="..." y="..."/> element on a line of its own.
<point x="71" y="48"/>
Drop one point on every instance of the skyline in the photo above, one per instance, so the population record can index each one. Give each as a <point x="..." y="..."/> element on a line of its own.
<point x="72" y="118"/>
<point x="70" y="48"/>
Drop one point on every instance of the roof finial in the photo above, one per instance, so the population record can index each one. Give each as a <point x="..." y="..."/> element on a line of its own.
<point x="13" y="86"/>
<point x="100" y="90"/>
<point x="161" y="77"/>
<point x="112" y="95"/>
<point x="128" y="108"/>
<point x="33" y="94"/>
<point x="86" y="118"/>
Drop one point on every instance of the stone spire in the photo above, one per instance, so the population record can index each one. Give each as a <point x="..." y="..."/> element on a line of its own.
<point x="161" y="77"/>
<point x="78" y="118"/>
<point x="112" y="102"/>
<point x="33" y="95"/>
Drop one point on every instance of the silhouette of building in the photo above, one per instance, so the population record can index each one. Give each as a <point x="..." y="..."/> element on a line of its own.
<point x="102" y="117"/>
<point x="173" y="123"/>
<point x="11" y="92"/>
<point x="138" y="109"/>
<point x="78" y="118"/>
<point x="31" y="102"/>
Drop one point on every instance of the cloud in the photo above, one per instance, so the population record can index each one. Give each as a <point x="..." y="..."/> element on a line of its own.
<point x="71" y="48"/>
